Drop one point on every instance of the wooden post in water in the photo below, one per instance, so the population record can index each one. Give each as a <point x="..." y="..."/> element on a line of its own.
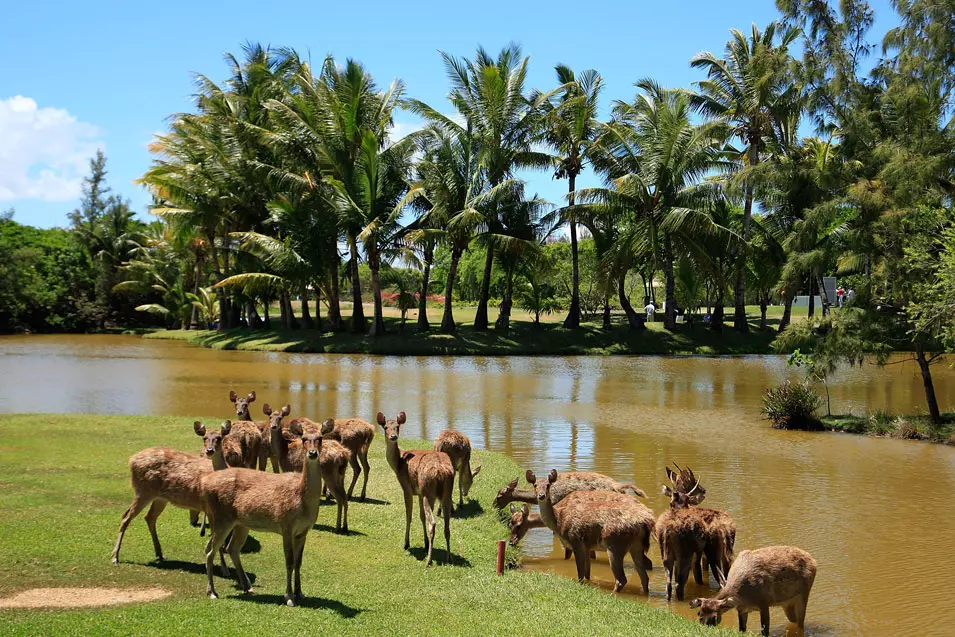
<point x="501" y="547"/>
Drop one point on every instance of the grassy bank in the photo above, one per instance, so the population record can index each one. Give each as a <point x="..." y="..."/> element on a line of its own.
<point x="65" y="485"/>
<point x="522" y="339"/>
<point x="904" y="427"/>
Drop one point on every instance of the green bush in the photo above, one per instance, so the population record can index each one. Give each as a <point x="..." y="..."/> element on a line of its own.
<point x="792" y="406"/>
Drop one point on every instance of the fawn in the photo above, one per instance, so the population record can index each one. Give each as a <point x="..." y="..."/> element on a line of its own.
<point x="458" y="448"/>
<point x="238" y="500"/>
<point x="771" y="576"/>
<point x="585" y="520"/>
<point x="161" y="475"/>
<point x="427" y="474"/>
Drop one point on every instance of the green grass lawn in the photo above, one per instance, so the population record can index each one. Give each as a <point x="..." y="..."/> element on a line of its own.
<point x="65" y="485"/>
<point x="912" y="427"/>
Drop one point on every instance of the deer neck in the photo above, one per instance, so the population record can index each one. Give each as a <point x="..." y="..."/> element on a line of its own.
<point x="523" y="495"/>
<point x="218" y="460"/>
<point x="311" y="483"/>
<point x="547" y="513"/>
<point x="393" y="455"/>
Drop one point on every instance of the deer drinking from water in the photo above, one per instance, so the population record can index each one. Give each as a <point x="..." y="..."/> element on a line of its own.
<point x="771" y="576"/>
<point x="238" y="500"/>
<point x="587" y="520"/>
<point x="686" y="533"/>
<point x="427" y="474"/>
<point x="162" y="476"/>
<point x="458" y="448"/>
<point x="567" y="483"/>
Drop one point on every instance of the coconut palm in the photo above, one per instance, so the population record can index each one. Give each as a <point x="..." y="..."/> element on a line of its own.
<point x="743" y="89"/>
<point x="570" y="127"/>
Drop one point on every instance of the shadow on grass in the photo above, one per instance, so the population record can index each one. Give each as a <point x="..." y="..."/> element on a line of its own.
<point x="251" y="545"/>
<point x="196" y="569"/>
<point x="369" y="501"/>
<point x="331" y="529"/>
<point x="439" y="556"/>
<point x="319" y="603"/>
<point x="470" y="509"/>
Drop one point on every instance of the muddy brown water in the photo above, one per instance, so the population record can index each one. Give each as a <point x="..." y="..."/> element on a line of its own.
<point x="878" y="515"/>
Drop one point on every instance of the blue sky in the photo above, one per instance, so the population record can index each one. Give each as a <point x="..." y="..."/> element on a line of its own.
<point x="80" y="76"/>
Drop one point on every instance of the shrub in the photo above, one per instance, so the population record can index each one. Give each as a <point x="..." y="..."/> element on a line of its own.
<point x="792" y="406"/>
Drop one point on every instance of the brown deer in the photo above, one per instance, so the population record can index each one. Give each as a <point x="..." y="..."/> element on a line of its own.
<point x="585" y="520"/>
<point x="719" y="523"/>
<point x="522" y="521"/>
<point x="771" y="576"/>
<point x="567" y="483"/>
<point x="458" y="448"/>
<point x="289" y="456"/>
<point x="242" y="412"/>
<point x="356" y="435"/>
<point x="238" y="500"/>
<point x="161" y="476"/>
<point x="427" y="474"/>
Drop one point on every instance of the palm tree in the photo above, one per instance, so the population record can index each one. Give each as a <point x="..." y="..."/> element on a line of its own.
<point x="743" y="89"/>
<point x="570" y="127"/>
<point x="489" y="95"/>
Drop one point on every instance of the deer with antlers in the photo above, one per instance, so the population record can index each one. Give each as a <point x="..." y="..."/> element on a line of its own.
<point x="585" y="520"/>
<point x="458" y="448"/>
<point x="688" y="533"/>
<point x="427" y="474"/>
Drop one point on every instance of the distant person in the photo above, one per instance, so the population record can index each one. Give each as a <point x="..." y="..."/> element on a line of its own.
<point x="707" y="318"/>
<point x="849" y="296"/>
<point x="650" y="309"/>
<point x="840" y="296"/>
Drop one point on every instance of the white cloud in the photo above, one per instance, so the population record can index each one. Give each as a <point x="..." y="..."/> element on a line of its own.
<point x="44" y="152"/>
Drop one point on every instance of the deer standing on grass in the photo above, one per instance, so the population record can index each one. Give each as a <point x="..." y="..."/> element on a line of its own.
<point x="289" y="455"/>
<point x="686" y="532"/>
<point x="585" y="520"/>
<point x="238" y="500"/>
<point x="458" y="448"/>
<point x="242" y="413"/>
<point x="355" y="435"/>
<point x="161" y="476"/>
<point x="771" y="576"/>
<point x="427" y="474"/>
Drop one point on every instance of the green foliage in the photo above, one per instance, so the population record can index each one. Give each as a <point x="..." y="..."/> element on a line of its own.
<point x="792" y="406"/>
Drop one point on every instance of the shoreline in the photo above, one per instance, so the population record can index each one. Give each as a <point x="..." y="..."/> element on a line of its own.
<point x="899" y="427"/>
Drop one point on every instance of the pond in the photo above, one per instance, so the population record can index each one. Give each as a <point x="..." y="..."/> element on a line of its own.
<point x="876" y="514"/>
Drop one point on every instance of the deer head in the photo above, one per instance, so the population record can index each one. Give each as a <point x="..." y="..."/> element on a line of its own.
<point x="467" y="479"/>
<point x="212" y="439"/>
<point x="711" y="610"/>
<point x="518" y="523"/>
<point x="275" y="417"/>
<point x="242" y="405"/>
<point x="542" y="486"/>
<point x="503" y="495"/>
<point x="391" y="427"/>
<point x="684" y="483"/>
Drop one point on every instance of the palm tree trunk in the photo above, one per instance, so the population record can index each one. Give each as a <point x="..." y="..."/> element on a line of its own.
<point x="318" y="306"/>
<point x="423" y="325"/>
<point x="787" y="311"/>
<point x="194" y="319"/>
<point x="719" y="309"/>
<point x="306" y="314"/>
<point x="357" y="312"/>
<point x="265" y="312"/>
<point x="607" y="324"/>
<point x="573" y="314"/>
<point x="480" y="319"/>
<point x="669" y="315"/>
<point x="739" y="314"/>
<point x="217" y="271"/>
<point x="447" y="321"/>
<point x="283" y="312"/>
<point x="822" y="295"/>
<point x="378" y="324"/>
<point x="503" y="322"/>
<point x="763" y="298"/>
<point x="636" y="321"/>
<point x="925" y="368"/>
<point x="334" y="309"/>
<point x="255" y="321"/>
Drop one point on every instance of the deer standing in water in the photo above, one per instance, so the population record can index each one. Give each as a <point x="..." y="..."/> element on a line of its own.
<point x="585" y="520"/>
<point x="427" y="474"/>
<point x="238" y="500"/>
<point x="771" y="576"/>
<point x="161" y="476"/>
<point x="458" y="448"/>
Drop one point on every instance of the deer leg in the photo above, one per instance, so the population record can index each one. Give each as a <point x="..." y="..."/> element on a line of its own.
<point x="567" y="553"/>
<point x="193" y="518"/>
<point x="638" y="556"/>
<point x="715" y="560"/>
<point x="743" y="616"/>
<point x="683" y="567"/>
<point x="408" y="505"/>
<point x="647" y="562"/>
<point x="698" y="568"/>
<point x="138" y="504"/>
<point x="217" y="537"/>
<point x="356" y="472"/>
<point x="615" y="555"/>
<point x="343" y="503"/>
<point x="239" y="533"/>
<point x="668" y="569"/>
<point x="299" y="552"/>
<point x="580" y="556"/>
<point x="447" y="520"/>
<point x="288" y="543"/>
<point x="790" y="610"/>
<point x="764" y="620"/>
<point x="154" y="512"/>
<point x="363" y="457"/>
<point x="428" y="515"/>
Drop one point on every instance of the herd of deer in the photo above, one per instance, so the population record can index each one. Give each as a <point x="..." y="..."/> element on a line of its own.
<point x="228" y="483"/>
<point x="589" y="511"/>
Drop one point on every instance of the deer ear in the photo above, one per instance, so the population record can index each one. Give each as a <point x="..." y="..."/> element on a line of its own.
<point x="328" y="426"/>
<point x="476" y="471"/>
<point x="232" y="396"/>
<point x="226" y="427"/>
<point x="295" y="428"/>
<point x="667" y="491"/>
<point x="266" y="409"/>
<point x="199" y="428"/>
<point x="530" y="476"/>
<point x="251" y="397"/>
<point x="401" y="418"/>
<point x="512" y="485"/>
<point x="671" y="475"/>
<point x="696" y="603"/>
<point x="513" y="508"/>
<point x="285" y="410"/>
<point x="526" y="510"/>
<point x="552" y="478"/>
<point x="381" y="419"/>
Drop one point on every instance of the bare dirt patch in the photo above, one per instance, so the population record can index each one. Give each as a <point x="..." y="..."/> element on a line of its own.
<point x="81" y="597"/>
